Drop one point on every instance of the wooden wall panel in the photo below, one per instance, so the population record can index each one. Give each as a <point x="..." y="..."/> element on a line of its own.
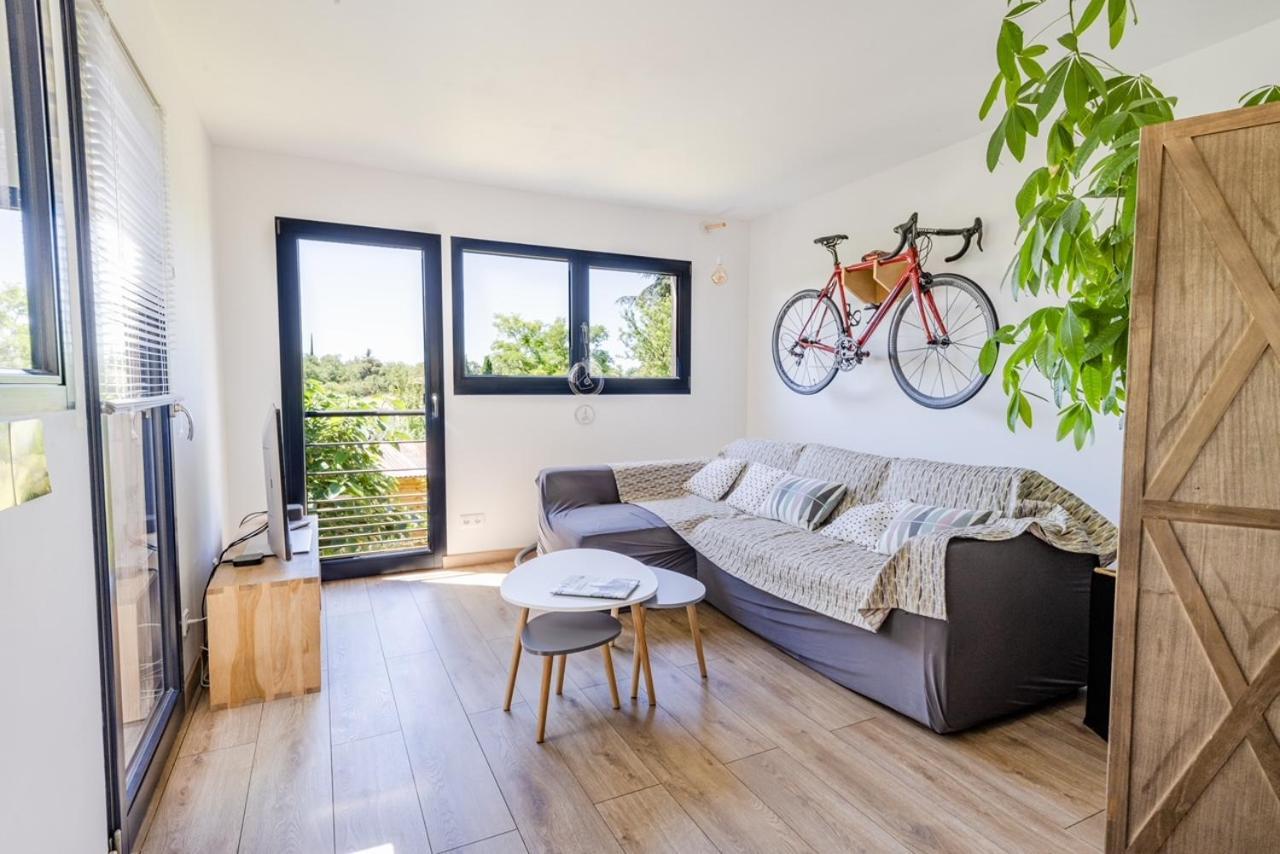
<point x="1194" y="761"/>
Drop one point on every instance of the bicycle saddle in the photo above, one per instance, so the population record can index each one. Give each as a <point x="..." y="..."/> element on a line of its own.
<point x="831" y="240"/>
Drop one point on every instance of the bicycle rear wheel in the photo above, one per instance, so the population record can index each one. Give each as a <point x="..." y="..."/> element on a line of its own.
<point x="944" y="373"/>
<point x="805" y="337"/>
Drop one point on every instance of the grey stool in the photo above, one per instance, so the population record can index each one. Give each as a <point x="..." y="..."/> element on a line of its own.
<point x="562" y="633"/>
<point x="676" y="590"/>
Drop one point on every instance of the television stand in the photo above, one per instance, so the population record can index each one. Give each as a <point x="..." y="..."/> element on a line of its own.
<point x="264" y="628"/>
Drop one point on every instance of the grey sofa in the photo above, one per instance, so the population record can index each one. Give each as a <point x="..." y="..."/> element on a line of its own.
<point x="1014" y="638"/>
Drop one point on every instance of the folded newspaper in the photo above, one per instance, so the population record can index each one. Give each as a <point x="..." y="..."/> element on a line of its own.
<point x="597" y="588"/>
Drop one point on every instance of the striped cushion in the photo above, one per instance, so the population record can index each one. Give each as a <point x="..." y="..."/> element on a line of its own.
<point x="802" y="501"/>
<point x="917" y="520"/>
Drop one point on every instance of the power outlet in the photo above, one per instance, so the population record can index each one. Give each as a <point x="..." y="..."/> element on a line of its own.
<point x="186" y="622"/>
<point x="472" y="520"/>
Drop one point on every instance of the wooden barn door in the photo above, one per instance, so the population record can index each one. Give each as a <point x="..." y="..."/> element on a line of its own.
<point x="1195" y="764"/>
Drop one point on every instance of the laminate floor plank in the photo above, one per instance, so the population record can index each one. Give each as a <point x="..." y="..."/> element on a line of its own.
<point x="731" y="816"/>
<point x="1092" y="830"/>
<point x="400" y="626"/>
<point x="290" y="804"/>
<point x="458" y="794"/>
<point x="345" y="597"/>
<point x="360" y="703"/>
<point x="478" y="676"/>
<point x="353" y="642"/>
<point x="506" y="843"/>
<point x="375" y="800"/>
<point x="554" y="812"/>
<point x="651" y="822"/>
<point x="917" y="824"/>
<point x="203" y="803"/>
<point x="214" y="730"/>
<point x="822" y="818"/>
<point x="969" y="797"/>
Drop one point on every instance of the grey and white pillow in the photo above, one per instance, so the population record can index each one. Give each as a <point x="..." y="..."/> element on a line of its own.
<point x="754" y="487"/>
<point x="862" y="525"/>
<point x="715" y="478"/>
<point x="805" y="502"/>
<point x="918" y="520"/>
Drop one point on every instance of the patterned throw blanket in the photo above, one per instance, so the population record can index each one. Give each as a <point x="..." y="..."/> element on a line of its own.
<point x="845" y="581"/>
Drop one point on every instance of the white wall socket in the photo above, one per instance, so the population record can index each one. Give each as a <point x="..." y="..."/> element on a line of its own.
<point x="472" y="520"/>
<point x="186" y="622"/>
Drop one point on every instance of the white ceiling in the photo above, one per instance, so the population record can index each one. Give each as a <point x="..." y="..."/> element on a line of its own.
<point x="712" y="106"/>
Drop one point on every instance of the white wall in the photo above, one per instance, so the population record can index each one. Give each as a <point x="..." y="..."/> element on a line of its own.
<point x="865" y="409"/>
<point x="52" y="795"/>
<point x="494" y="445"/>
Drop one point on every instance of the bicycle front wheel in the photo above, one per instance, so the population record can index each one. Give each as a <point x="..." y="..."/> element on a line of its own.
<point x="943" y="373"/>
<point x="806" y="336"/>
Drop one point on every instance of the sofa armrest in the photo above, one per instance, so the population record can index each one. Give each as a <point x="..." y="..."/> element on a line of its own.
<point x="568" y="487"/>
<point x="654" y="479"/>
<point x="1017" y="624"/>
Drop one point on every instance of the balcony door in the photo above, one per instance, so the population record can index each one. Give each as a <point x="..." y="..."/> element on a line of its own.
<point x="361" y="392"/>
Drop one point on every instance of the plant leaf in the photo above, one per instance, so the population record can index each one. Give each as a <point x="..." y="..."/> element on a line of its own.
<point x="996" y="144"/>
<point x="1086" y="19"/>
<point x="990" y="100"/>
<point x="987" y="357"/>
<point x="1115" y="20"/>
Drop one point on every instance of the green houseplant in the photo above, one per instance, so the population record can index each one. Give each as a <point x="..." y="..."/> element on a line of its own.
<point x="1077" y="211"/>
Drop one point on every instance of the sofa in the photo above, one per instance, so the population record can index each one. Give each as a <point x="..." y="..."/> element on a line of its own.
<point x="1006" y="631"/>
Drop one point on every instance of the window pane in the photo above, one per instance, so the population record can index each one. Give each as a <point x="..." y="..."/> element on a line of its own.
<point x="15" y="328"/>
<point x="633" y="323"/>
<point x="516" y="312"/>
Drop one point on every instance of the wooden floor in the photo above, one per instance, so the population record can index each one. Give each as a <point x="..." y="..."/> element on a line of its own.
<point x="407" y="750"/>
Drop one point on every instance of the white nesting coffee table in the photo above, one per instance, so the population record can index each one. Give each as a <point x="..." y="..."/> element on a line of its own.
<point x="529" y="587"/>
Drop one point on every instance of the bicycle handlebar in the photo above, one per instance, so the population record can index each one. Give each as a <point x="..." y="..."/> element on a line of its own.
<point x="909" y="231"/>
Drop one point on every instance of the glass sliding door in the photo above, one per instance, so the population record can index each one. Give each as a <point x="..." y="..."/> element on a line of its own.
<point x="361" y="372"/>
<point x="125" y="298"/>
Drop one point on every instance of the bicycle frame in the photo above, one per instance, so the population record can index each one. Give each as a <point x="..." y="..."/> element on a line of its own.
<point x="934" y="328"/>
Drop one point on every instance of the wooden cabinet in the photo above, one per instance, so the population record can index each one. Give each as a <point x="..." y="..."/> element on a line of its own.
<point x="1194" y="762"/>
<point x="264" y="629"/>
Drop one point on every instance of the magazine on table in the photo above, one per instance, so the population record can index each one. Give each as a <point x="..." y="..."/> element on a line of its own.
<point x="592" y="587"/>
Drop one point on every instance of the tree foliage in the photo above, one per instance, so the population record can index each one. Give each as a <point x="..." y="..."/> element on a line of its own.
<point x="647" y="324"/>
<point x="1077" y="211"/>
<point x="15" y="332"/>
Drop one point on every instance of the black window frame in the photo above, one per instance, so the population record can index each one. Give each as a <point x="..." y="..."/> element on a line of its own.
<point x="580" y="262"/>
<point x="35" y="198"/>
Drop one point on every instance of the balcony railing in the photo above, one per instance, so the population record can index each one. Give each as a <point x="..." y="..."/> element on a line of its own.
<point x="367" y="481"/>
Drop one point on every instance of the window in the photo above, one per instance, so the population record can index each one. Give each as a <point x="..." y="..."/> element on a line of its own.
<point x="30" y="331"/>
<point x="522" y="315"/>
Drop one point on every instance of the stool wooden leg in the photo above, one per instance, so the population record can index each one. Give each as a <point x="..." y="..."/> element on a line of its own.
<point x="608" y="672"/>
<point x="697" y="638"/>
<point x="564" y="661"/>
<point x="642" y="649"/>
<point x="515" y="659"/>
<point x="547" y="661"/>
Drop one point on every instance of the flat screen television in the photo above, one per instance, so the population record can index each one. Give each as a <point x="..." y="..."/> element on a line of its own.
<point x="273" y="468"/>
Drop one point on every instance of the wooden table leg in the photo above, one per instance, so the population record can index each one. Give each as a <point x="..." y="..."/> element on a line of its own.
<point x="547" y="661"/>
<point x="613" y="612"/>
<point x="697" y="638"/>
<point x="642" y="650"/>
<point x="515" y="659"/>
<point x="564" y="661"/>
<point x="608" y="672"/>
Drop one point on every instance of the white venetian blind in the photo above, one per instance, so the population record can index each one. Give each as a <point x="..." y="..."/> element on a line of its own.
<point x="128" y="214"/>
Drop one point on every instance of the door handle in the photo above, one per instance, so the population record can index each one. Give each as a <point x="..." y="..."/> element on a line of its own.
<point x="435" y="405"/>
<point x="179" y="409"/>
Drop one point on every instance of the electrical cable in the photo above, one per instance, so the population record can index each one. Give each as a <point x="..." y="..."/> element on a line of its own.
<point x="204" y="597"/>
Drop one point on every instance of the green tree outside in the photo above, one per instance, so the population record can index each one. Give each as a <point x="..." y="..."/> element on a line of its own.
<point x="15" y="330"/>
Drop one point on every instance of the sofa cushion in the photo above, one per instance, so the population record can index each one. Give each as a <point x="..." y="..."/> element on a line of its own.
<point x="625" y="528"/>
<point x="952" y="485"/>
<point x="781" y="455"/>
<point x="919" y="520"/>
<point x="861" y="473"/>
<point x="754" y="487"/>
<point x="805" y="502"/>
<point x="862" y="525"/>
<point x="715" y="478"/>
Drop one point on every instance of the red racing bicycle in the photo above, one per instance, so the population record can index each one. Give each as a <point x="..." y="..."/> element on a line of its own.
<point x="941" y="322"/>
